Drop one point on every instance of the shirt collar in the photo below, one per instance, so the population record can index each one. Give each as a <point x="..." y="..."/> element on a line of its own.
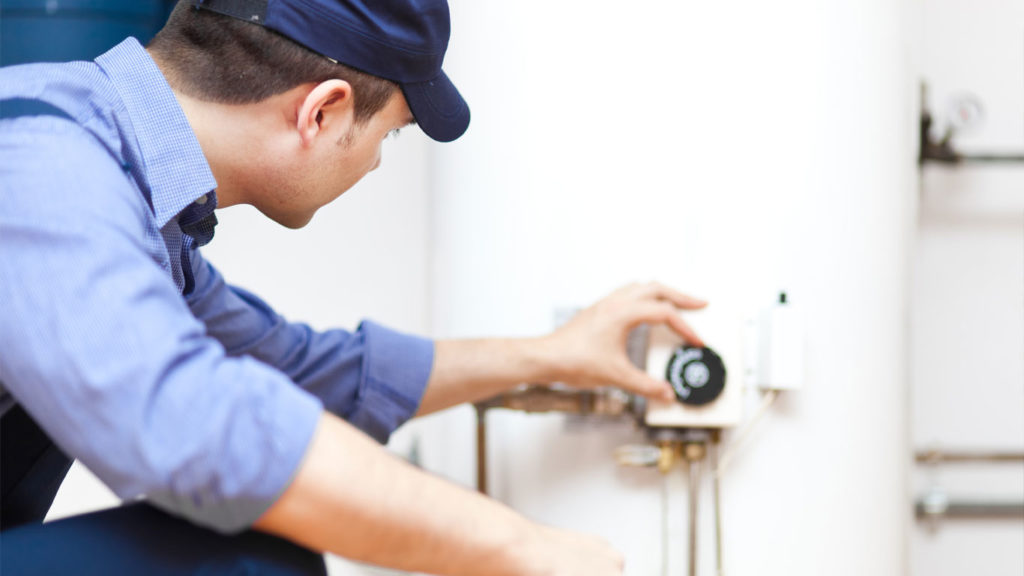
<point x="174" y="167"/>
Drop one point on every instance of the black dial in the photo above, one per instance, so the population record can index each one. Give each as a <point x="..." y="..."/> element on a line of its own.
<point x="696" y="374"/>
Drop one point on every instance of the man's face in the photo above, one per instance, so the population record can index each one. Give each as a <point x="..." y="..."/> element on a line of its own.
<point x="340" y="157"/>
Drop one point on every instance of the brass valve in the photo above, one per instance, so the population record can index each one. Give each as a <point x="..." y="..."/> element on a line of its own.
<point x="694" y="451"/>
<point x="667" y="455"/>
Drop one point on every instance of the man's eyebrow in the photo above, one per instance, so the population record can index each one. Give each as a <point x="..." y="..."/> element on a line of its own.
<point x="411" y="121"/>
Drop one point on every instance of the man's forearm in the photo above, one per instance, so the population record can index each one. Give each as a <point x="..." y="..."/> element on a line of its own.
<point x="587" y="351"/>
<point x="354" y="499"/>
<point x="471" y="370"/>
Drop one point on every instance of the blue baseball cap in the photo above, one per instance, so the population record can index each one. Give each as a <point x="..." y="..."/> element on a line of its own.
<point x="399" y="40"/>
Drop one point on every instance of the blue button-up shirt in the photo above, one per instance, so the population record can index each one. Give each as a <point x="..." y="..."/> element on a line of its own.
<point x="123" y="343"/>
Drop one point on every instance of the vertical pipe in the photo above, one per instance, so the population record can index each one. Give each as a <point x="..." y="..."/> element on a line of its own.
<point x="716" y="495"/>
<point x="481" y="450"/>
<point x="664" y="525"/>
<point x="693" y="468"/>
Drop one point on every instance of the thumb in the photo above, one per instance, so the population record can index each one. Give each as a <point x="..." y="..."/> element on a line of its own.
<point x="641" y="383"/>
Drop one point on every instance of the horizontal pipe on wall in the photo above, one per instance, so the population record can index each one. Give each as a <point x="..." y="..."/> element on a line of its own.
<point x="926" y="509"/>
<point x="939" y="456"/>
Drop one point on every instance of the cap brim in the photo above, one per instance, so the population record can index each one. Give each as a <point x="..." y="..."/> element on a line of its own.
<point x="438" y="108"/>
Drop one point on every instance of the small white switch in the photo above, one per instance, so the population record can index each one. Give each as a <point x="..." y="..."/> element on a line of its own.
<point x="781" y="347"/>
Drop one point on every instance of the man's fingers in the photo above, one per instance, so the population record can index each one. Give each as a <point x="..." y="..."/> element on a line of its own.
<point x="680" y="327"/>
<point x="659" y="291"/>
<point x="665" y="313"/>
<point x="641" y="383"/>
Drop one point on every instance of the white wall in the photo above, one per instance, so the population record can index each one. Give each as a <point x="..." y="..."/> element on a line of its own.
<point x="967" y="322"/>
<point x="731" y="150"/>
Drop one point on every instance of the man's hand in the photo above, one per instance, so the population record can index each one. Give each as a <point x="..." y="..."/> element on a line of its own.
<point x="591" y="347"/>
<point x="588" y="351"/>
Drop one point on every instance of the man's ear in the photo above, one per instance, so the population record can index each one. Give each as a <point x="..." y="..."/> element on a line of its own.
<point x="329" y="105"/>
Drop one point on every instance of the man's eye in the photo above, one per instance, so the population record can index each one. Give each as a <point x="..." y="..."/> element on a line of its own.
<point x="394" y="133"/>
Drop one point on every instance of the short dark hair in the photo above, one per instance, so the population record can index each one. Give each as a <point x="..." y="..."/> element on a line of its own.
<point x="217" y="58"/>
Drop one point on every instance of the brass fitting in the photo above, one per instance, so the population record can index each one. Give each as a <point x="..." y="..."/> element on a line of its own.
<point x="694" y="451"/>
<point x="667" y="455"/>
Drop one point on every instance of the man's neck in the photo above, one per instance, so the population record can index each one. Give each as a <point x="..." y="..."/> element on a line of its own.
<point x="222" y="137"/>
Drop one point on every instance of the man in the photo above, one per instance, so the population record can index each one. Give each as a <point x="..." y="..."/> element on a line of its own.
<point x="248" y="438"/>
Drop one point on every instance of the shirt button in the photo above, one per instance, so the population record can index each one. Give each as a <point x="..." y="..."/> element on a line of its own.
<point x="202" y="200"/>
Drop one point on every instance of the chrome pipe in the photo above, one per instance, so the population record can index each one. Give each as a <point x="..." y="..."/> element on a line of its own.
<point x="939" y="456"/>
<point x="927" y="509"/>
<point x="717" y="499"/>
<point x="693" y="469"/>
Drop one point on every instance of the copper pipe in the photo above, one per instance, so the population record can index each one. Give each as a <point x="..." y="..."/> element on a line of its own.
<point x="481" y="450"/>
<point x="536" y="398"/>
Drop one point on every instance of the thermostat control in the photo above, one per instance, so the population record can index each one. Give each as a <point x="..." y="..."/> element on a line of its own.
<point x="696" y="374"/>
<point x="704" y="396"/>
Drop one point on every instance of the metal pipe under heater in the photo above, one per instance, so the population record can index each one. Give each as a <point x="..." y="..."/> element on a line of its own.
<point x="693" y="453"/>
<point x="481" y="449"/>
<point x="693" y="472"/>
<point x="691" y="445"/>
<point x="536" y="398"/>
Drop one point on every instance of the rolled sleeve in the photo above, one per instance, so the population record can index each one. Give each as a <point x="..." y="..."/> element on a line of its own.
<point x="373" y="377"/>
<point x="286" y="417"/>
<point x="396" y="368"/>
<point x="99" y="348"/>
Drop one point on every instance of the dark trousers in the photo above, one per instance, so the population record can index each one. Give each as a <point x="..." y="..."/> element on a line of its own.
<point x="132" y="539"/>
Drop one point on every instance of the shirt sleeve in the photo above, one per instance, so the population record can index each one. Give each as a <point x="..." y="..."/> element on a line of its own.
<point x="374" y="377"/>
<point x="99" y="347"/>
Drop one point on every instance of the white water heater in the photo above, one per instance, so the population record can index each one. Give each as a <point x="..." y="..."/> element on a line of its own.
<point x="727" y="150"/>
